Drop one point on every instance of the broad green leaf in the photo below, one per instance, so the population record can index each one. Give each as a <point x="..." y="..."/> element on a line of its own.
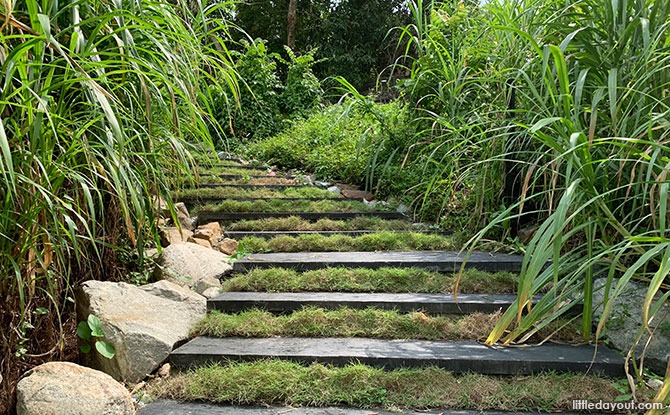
<point x="105" y="349"/>
<point x="83" y="330"/>
<point x="96" y="326"/>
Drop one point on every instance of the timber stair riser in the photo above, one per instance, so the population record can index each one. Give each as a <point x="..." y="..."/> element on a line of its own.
<point x="281" y="303"/>
<point x="441" y="261"/>
<point x="455" y="356"/>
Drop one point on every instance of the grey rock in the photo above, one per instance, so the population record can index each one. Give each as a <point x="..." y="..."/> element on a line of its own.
<point x="63" y="388"/>
<point x="655" y="384"/>
<point x="321" y="184"/>
<point x="184" y="217"/>
<point x="173" y="292"/>
<point x="143" y="325"/>
<point x="186" y="264"/>
<point x="335" y="189"/>
<point x="223" y="155"/>
<point x="211" y="292"/>
<point x="626" y="321"/>
<point x="207" y="283"/>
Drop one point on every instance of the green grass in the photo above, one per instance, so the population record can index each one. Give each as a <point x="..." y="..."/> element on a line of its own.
<point x="232" y="170"/>
<point x="233" y="193"/>
<point x="277" y="382"/>
<point x="294" y="223"/>
<point x="370" y="323"/>
<point x="248" y="180"/>
<point x="278" y="205"/>
<point x="397" y="280"/>
<point x="380" y="241"/>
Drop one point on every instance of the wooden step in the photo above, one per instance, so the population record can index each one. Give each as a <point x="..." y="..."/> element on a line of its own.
<point x="455" y="356"/>
<point x="235" y="302"/>
<point x="442" y="261"/>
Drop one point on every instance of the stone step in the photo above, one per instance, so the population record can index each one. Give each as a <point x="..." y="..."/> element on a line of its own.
<point x="455" y="356"/>
<point x="204" y="217"/>
<point x="442" y="261"/>
<point x="235" y="302"/>
<point x="272" y="234"/>
<point x="167" y="407"/>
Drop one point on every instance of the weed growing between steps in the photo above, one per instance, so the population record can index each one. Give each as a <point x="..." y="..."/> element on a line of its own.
<point x="237" y="193"/>
<point x="370" y="323"/>
<point x="284" y="383"/>
<point x="278" y="205"/>
<point x="391" y="280"/>
<point x="250" y="180"/>
<point x="232" y="170"/>
<point x="295" y="223"/>
<point x="380" y="241"/>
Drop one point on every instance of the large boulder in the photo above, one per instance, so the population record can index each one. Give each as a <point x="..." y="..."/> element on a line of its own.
<point x="63" y="388"/>
<point x="187" y="264"/>
<point x="625" y="322"/>
<point x="143" y="324"/>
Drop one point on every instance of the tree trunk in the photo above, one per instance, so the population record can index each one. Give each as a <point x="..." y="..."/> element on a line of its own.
<point x="292" y="11"/>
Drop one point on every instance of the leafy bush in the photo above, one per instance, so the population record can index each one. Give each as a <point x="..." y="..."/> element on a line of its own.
<point x="259" y="113"/>
<point x="336" y="143"/>
<point x="302" y="93"/>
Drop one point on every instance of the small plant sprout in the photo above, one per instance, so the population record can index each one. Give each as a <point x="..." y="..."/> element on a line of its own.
<point x="91" y="332"/>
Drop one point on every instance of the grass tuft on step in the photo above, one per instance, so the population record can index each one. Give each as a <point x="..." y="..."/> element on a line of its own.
<point x="380" y="241"/>
<point x="278" y="382"/>
<point x="394" y="280"/>
<point x="260" y="193"/>
<point x="278" y="205"/>
<point x="295" y="223"/>
<point x="370" y="323"/>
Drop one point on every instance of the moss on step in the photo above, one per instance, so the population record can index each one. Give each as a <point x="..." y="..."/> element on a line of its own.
<point x="370" y="323"/>
<point x="278" y="205"/>
<point x="294" y="223"/>
<point x="278" y="382"/>
<point x="380" y="241"/>
<point x="398" y="280"/>
<point x="236" y="193"/>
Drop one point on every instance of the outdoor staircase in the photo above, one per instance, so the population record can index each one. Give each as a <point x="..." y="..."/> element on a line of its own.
<point x="456" y="356"/>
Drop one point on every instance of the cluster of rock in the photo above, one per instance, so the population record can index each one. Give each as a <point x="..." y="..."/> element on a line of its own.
<point x="143" y="324"/>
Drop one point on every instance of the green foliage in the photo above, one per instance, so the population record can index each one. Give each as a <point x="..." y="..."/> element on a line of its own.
<point x="337" y="142"/>
<point x="101" y="104"/>
<point x="302" y="93"/>
<point x="91" y="331"/>
<point x="259" y="113"/>
<point x="351" y="36"/>
<point x="583" y="145"/>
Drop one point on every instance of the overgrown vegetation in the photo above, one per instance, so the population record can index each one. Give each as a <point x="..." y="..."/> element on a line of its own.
<point x="271" y="194"/>
<point x="100" y="105"/>
<point x="393" y="280"/>
<point x="370" y="323"/>
<point x="294" y="223"/>
<point x="278" y="205"/>
<point x="380" y="241"/>
<point x="280" y="382"/>
<point x="545" y="114"/>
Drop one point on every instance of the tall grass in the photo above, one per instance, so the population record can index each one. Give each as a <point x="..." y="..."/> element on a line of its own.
<point x="100" y="105"/>
<point x="587" y="138"/>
